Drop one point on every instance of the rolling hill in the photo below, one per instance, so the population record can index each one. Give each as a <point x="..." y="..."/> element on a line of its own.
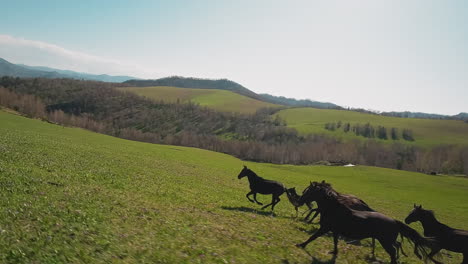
<point x="221" y="100"/>
<point x="25" y="71"/>
<point x="228" y="85"/>
<point x="72" y="196"/>
<point x="427" y="132"/>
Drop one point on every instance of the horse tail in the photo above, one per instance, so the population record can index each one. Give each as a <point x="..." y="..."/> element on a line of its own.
<point x="421" y="244"/>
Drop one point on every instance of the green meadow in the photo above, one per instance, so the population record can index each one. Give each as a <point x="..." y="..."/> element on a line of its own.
<point x="72" y="196"/>
<point x="427" y="132"/>
<point x="221" y="100"/>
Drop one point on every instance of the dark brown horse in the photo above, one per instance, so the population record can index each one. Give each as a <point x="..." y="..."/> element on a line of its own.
<point x="343" y="221"/>
<point x="352" y="202"/>
<point x="262" y="186"/>
<point x="448" y="238"/>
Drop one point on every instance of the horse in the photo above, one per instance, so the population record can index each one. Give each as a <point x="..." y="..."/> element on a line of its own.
<point x="293" y="198"/>
<point x="451" y="239"/>
<point x="262" y="186"/>
<point x="352" y="202"/>
<point x="344" y="221"/>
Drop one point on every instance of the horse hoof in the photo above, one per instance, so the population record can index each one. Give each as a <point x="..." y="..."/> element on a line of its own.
<point x="300" y="245"/>
<point x="333" y="252"/>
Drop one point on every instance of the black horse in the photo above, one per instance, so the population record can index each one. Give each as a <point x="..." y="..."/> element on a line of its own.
<point x="343" y="221"/>
<point x="451" y="239"/>
<point x="294" y="197"/>
<point x="352" y="202"/>
<point x="262" y="186"/>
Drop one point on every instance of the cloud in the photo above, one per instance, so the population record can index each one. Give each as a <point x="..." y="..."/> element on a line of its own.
<point x="38" y="53"/>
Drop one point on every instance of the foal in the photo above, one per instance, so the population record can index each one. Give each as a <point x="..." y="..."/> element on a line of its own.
<point x="262" y="186"/>
<point x="293" y="198"/>
<point x="451" y="239"/>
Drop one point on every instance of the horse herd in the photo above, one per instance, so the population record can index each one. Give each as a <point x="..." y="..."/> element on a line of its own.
<point x="348" y="216"/>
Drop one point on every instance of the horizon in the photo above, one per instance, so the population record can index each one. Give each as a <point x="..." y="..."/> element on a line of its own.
<point x="386" y="56"/>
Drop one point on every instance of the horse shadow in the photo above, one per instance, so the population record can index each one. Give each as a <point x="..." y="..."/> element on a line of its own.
<point x="248" y="210"/>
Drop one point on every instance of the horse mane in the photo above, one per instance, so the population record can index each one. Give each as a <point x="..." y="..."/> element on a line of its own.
<point x="429" y="212"/>
<point x="254" y="174"/>
<point x="329" y="191"/>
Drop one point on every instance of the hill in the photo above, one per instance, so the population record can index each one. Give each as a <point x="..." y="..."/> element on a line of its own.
<point x="222" y="100"/>
<point x="183" y="82"/>
<point x="69" y="195"/>
<point x="257" y="137"/>
<point x="228" y="85"/>
<point x="427" y="132"/>
<point x="25" y="71"/>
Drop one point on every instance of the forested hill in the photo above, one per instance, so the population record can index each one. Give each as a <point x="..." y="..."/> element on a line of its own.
<point x="225" y="84"/>
<point x="183" y="82"/>
<point x="298" y="102"/>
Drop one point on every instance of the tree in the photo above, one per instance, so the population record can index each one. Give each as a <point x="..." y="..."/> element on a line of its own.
<point x="407" y="135"/>
<point x="394" y="133"/>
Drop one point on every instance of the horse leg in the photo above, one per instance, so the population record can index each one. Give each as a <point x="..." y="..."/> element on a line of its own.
<point x="272" y="201"/>
<point x="390" y="250"/>
<point x="465" y="258"/>
<point x="255" y="198"/>
<point x="310" y="211"/>
<point x="277" y="200"/>
<point x="317" y="212"/>
<point x="432" y="254"/>
<point x="248" y="194"/>
<point x="335" y="244"/>
<point x="317" y="234"/>
<point x="373" y="248"/>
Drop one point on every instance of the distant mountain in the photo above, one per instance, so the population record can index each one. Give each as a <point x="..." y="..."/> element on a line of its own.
<point x="24" y="71"/>
<point x="224" y="84"/>
<point x="300" y="103"/>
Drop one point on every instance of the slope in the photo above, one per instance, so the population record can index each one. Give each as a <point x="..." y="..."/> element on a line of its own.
<point x="72" y="196"/>
<point x="221" y="100"/>
<point x="427" y="132"/>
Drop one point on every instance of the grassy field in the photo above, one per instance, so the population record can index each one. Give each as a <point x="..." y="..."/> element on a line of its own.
<point x="72" y="196"/>
<point x="221" y="100"/>
<point x="427" y="132"/>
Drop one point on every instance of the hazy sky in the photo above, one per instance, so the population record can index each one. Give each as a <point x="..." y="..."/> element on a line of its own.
<point x="375" y="54"/>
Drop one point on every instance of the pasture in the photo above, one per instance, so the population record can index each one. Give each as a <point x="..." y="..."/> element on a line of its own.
<point x="73" y="196"/>
<point x="220" y="100"/>
<point x="427" y="132"/>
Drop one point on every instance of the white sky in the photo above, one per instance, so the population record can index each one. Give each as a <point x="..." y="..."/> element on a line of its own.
<point x="379" y="55"/>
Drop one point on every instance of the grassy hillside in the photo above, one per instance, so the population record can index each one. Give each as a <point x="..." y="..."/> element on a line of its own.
<point x="427" y="132"/>
<point x="72" y="196"/>
<point x="217" y="99"/>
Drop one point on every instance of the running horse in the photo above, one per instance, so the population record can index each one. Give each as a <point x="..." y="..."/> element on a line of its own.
<point x="448" y="238"/>
<point x="262" y="186"/>
<point x="343" y="221"/>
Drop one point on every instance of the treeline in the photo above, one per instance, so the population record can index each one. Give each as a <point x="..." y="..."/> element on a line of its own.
<point x="369" y="131"/>
<point x="281" y="100"/>
<point x="407" y="114"/>
<point x="99" y="107"/>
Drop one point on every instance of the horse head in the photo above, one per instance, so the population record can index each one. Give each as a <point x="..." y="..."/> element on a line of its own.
<point x="244" y="172"/>
<point x="415" y="214"/>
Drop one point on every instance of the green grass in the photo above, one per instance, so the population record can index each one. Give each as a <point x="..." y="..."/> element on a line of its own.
<point x="427" y="132"/>
<point x="71" y="196"/>
<point x="221" y="100"/>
